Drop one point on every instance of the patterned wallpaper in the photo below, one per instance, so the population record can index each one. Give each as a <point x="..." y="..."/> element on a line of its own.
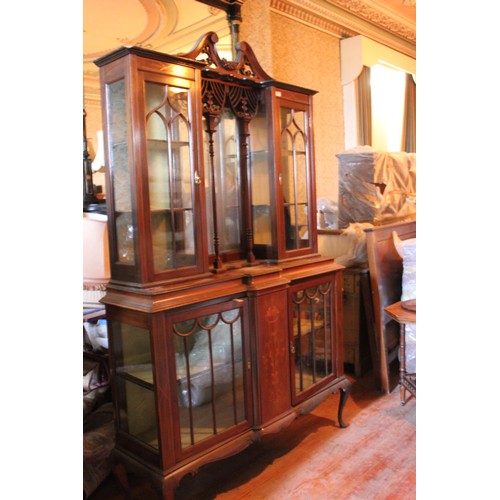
<point x="301" y="55"/>
<point x="297" y="41"/>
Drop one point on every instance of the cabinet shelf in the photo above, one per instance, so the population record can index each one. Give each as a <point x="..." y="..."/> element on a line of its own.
<point x="166" y="211"/>
<point x="139" y="374"/>
<point x="162" y="143"/>
<point x="149" y="437"/>
<point x="288" y="153"/>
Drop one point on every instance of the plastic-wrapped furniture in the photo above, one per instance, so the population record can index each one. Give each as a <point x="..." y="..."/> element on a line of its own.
<point x="378" y="187"/>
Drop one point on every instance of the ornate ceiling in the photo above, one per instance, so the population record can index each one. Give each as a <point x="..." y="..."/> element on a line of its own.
<point x="173" y="26"/>
<point x="390" y="22"/>
<point x="164" y="25"/>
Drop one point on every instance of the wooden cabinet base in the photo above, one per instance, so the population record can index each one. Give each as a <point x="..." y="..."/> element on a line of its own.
<point x="166" y="482"/>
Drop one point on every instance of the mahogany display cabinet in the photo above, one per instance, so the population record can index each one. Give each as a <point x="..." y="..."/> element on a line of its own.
<point x="224" y="322"/>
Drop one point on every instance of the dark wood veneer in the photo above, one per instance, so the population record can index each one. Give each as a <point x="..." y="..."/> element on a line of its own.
<point x="159" y="309"/>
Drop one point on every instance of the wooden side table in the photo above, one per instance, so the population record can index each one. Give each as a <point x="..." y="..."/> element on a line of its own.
<point x="404" y="313"/>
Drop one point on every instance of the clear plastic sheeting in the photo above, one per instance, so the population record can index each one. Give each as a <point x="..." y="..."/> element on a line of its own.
<point x="328" y="211"/>
<point x="376" y="186"/>
<point x="411" y="348"/>
<point x="355" y="250"/>
<point x="407" y="250"/>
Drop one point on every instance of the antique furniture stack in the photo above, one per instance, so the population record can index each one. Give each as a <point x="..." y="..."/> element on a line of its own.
<point x="224" y="322"/>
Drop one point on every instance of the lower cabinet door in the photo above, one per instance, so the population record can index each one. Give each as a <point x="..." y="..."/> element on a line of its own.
<point x="210" y="363"/>
<point x="313" y="319"/>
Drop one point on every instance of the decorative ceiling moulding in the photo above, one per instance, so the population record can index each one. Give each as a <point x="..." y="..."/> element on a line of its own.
<point x="310" y="14"/>
<point x="166" y="33"/>
<point x="90" y="98"/>
<point x="91" y="87"/>
<point x="161" y="15"/>
<point x="338" y="21"/>
<point x="380" y="16"/>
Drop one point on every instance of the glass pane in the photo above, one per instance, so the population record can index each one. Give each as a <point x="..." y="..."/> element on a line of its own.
<point x="119" y="169"/>
<point x="209" y="367"/>
<point x="260" y="177"/>
<point x="227" y="185"/>
<point x="169" y="253"/>
<point x="125" y="237"/>
<point x="168" y="133"/>
<point x="135" y="384"/>
<point x="158" y="162"/>
<point x="312" y="333"/>
<point x="138" y="412"/>
<point x="294" y="178"/>
<point x="290" y="241"/>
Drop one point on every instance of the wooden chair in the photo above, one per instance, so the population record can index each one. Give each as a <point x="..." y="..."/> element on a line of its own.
<point x="386" y="270"/>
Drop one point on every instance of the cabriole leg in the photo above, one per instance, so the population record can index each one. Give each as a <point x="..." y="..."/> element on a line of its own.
<point x="344" y="394"/>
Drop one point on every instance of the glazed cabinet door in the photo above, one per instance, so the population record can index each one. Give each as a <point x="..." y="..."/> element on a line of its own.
<point x="315" y="344"/>
<point x="296" y="196"/>
<point x="211" y="366"/>
<point x="152" y="130"/>
<point x="172" y="175"/>
<point x="282" y="170"/>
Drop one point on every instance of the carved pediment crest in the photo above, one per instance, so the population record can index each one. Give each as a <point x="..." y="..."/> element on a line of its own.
<point x="246" y="66"/>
